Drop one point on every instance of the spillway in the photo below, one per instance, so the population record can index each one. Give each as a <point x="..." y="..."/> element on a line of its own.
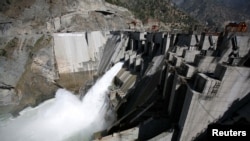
<point x="64" y="117"/>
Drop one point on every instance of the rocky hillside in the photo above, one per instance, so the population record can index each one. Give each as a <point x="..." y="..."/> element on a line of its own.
<point x="42" y="16"/>
<point x="159" y="10"/>
<point x="216" y="12"/>
<point x="28" y="69"/>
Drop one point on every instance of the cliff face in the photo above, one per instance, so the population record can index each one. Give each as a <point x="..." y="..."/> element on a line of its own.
<point x="32" y="57"/>
<point x="27" y="68"/>
<point x="39" y="16"/>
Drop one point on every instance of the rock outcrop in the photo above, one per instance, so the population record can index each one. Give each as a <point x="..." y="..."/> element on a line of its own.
<point x="39" y="16"/>
<point x="33" y="52"/>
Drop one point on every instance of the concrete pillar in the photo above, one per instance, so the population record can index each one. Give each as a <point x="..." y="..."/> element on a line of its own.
<point x="126" y="60"/>
<point x="199" y="83"/>
<point x="207" y="52"/>
<point x="142" y="67"/>
<point x="187" y="70"/>
<point x="122" y="54"/>
<point x="172" y="94"/>
<point x="197" y="38"/>
<point x="189" y="55"/>
<point x="172" y="40"/>
<point x="137" y="63"/>
<point x="146" y="47"/>
<point x="131" y="44"/>
<point x="139" y="45"/>
<point x="177" y="61"/>
<point x="179" y="50"/>
<point x="193" y="41"/>
<point x="158" y="38"/>
<point x="132" y="58"/>
<point x="208" y="41"/>
<point x="165" y="81"/>
<point x="151" y="49"/>
<point x="205" y="64"/>
<point x="206" y="85"/>
<point x="136" y="45"/>
<point x="168" y="42"/>
<point x="143" y="46"/>
<point x="142" y="35"/>
<point x="170" y="56"/>
<point x="202" y="38"/>
<point x="165" y="44"/>
<point x="220" y="71"/>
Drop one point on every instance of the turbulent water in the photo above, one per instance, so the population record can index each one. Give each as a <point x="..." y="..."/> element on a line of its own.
<point x="64" y="117"/>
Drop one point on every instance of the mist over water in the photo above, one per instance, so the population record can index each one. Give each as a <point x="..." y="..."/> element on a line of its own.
<point x="64" y="117"/>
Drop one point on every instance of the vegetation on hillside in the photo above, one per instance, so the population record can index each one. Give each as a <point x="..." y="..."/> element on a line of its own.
<point x="161" y="10"/>
<point x="217" y="12"/>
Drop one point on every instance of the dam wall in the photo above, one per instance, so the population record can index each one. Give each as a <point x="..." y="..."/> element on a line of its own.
<point x="173" y="86"/>
<point x="76" y="52"/>
<point x="60" y="60"/>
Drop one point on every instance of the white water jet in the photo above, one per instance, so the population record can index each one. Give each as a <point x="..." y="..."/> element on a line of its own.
<point x="64" y="117"/>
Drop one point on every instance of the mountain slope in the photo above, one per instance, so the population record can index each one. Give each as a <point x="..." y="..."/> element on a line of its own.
<point x="216" y="12"/>
<point x="42" y="16"/>
<point x="162" y="10"/>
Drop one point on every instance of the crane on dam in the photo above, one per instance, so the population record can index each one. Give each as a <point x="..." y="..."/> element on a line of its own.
<point x="236" y="27"/>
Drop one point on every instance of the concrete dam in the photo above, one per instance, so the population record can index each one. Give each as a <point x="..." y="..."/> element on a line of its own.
<point x="170" y="87"/>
